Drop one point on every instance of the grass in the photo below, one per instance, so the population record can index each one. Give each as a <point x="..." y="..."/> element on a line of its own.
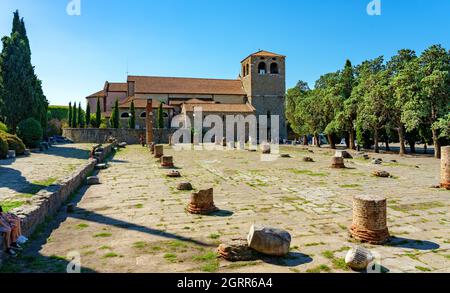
<point x="139" y="206"/>
<point x="214" y="236"/>
<point x="46" y="183"/>
<point x="82" y="226"/>
<point x="211" y="263"/>
<point x="309" y="173"/>
<point x="10" y="205"/>
<point x="110" y="255"/>
<point x="418" y="206"/>
<point x="102" y="235"/>
<point x="328" y="254"/>
<point x="349" y="186"/>
<point x="423" y="269"/>
<point x="314" y="244"/>
<point x="105" y="247"/>
<point x="319" y="269"/>
<point x="171" y="257"/>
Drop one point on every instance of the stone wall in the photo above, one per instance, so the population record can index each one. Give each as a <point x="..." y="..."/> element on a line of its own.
<point x="130" y="136"/>
<point x="48" y="201"/>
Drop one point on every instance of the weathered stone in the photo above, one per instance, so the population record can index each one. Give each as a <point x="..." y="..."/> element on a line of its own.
<point x="377" y="161"/>
<point x="101" y="166"/>
<point x="285" y="156"/>
<point x="93" y="180"/>
<point x="308" y="159"/>
<point x="337" y="163"/>
<point x="122" y="145"/>
<point x="167" y="161"/>
<point x="370" y="219"/>
<point x="311" y="151"/>
<point x="265" y="148"/>
<point x="382" y="174"/>
<point x="358" y="258"/>
<point x="27" y="152"/>
<point x="343" y="154"/>
<point x="173" y="174"/>
<point x="237" y="250"/>
<point x="11" y="154"/>
<point x="158" y="150"/>
<point x="202" y="202"/>
<point x="270" y="241"/>
<point x="445" y="167"/>
<point x="184" y="186"/>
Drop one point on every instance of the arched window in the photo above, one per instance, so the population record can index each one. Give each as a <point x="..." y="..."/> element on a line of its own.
<point x="262" y="68"/>
<point x="243" y="71"/>
<point x="143" y="115"/>
<point x="274" y="68"/>
<point x="125" y="115"/>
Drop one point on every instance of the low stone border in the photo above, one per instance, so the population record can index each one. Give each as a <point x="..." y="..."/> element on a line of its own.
<point x="48" y="201"/>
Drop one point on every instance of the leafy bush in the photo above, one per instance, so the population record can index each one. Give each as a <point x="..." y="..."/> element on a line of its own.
<point x="13" y="142"/>
<point x="30" y="131"/>
<point x="3" y="148"/>
<point x="3" y="127"/>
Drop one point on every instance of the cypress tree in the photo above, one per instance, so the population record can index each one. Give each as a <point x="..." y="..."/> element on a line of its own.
<point x="70" y="114"/>
<point x="74" y="116"/>
<point x="22" y="92"/>
<point x="88" y="115"/>
<point x="80" y="117"/>
<point x="98" y="115"/>
<point x="114" y="120"/>
<point x="160" y="117"/>
<point x="132" y="121"/>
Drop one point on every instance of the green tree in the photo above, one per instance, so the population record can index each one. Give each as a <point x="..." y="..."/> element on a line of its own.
<point x="80" y="117"/>
<point x="88" y="115"/>
<point x="98" y="115"/>
<point x="70" y="115"/>
<point x="114" y="120"/>
<point x="74" y="116"/>
<point x="294" y="99"/>
<point x="132" y="121"/>
<point x="21" y="92"/>
<point x="374" y="85"/>
<point x="160" y="116"/>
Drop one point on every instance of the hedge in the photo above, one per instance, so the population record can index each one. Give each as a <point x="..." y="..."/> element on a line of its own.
<point x="13" y="142"/>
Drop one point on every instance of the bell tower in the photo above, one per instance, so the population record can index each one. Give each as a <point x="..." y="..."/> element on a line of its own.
<point x="263" y="76"/>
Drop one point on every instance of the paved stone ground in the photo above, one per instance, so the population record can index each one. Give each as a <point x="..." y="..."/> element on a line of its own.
<point x="23" y="177"/>
<point x="136" y="220"/>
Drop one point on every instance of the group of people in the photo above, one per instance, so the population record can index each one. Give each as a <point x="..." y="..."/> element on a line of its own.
<point x="12" y="233"/>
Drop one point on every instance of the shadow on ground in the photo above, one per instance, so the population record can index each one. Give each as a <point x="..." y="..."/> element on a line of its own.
<point x="412" y="243"/>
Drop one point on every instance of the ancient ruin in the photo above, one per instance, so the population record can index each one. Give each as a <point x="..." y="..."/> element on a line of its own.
<point x="185" y="186"/>
<point x="358" y="258"/>
<point x="202" y="202"/>
<point x="337" y="163"/>
<point x="167" y="161"/>
<point x="268" y="240"/>
<point x="370" y="219"/>
<point x="159" y="151"/>
<point x="236" y="250"/>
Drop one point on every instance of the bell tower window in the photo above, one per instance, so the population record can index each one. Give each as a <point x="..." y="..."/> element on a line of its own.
<point x="262" y="70"/>
<point x="274" y="68"/>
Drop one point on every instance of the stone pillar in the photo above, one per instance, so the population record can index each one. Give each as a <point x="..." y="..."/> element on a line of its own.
<point x="202" y="202"/>
<point x="149" y="122"/>
<point x="167" y="161"/>
<point x="337" y="163"/>
<point x="445" y="167"/>
<point x="159" y="150"/>
<point x="370" y="219"/>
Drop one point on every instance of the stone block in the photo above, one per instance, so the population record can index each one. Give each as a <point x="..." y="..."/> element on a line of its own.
<point x="202" y="202"/>
<point x="93" y="180"/>
<point x="184" y="186"/>
<point x="337" y="163"/>
<point x="158" y="150"/>
<point x="11" y="154"/>
<point x="167" y="161"/>
<point x="268" y="240"/>
<point x="358" y="258"/>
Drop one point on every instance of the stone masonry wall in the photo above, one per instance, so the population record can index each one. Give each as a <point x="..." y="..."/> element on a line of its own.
<point x="48" y="201"/>
<point x="130" y="136"/>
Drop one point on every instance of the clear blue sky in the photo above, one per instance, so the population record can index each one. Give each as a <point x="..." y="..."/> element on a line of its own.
<point x="74" y="55"/>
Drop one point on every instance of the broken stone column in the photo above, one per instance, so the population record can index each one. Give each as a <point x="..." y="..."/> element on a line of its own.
<point x="445" y="167"/>
<point x="358" y="258"/>
<point x="265" y="148"/>
<point x="202" y="202"/>
<point x="236" y="250"/>
<point x="184" y="186"/>
<point x="173" y="174"/>
<point x="370" y="219"/>
<point x="224" y="142"/>
<point x="270" y="241"/>
<point x="337" y="163"/>
<point x="167" y="161"/>
<point x="158" y="150"/>
<point x="149" y="122"/>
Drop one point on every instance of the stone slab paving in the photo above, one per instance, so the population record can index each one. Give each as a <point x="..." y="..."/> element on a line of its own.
<point x="135" y="221"/>
<point x="23" y="177"/>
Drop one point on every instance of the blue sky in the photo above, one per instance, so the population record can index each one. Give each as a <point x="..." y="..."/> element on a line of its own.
<point x="74" y="55"/>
